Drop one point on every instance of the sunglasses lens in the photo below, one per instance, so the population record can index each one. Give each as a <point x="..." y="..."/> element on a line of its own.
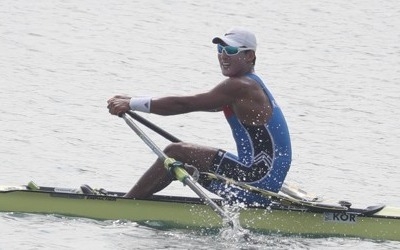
<point x="229" y="50"/>
<point x="220" y="48"/>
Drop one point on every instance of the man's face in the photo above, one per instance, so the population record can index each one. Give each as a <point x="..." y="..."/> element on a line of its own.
<point x="234" y="61"/>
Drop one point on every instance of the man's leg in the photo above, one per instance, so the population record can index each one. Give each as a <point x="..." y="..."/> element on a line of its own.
<point x="157" y="176"/>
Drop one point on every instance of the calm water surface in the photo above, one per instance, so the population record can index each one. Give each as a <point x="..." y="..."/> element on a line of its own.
<point x="334" y="67"/>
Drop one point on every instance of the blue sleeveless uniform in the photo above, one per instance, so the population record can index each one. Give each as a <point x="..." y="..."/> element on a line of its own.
<point x="264" y="155"/>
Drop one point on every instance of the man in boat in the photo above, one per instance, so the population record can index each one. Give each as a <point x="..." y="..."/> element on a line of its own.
<point x="258" y="126"/>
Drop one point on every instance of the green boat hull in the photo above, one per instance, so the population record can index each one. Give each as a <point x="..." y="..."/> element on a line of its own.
<point x="191" y="213"/>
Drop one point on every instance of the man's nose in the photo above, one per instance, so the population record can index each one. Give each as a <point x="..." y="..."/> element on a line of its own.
<point x="224" y="55"/>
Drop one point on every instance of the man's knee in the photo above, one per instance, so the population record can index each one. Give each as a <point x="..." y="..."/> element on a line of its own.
<point x="176" y="149"/>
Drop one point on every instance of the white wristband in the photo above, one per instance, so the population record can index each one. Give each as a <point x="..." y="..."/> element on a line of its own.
<point x="140" y="104"/>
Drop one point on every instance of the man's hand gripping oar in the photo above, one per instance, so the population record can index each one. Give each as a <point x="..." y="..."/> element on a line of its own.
<point x="176" y="168"/>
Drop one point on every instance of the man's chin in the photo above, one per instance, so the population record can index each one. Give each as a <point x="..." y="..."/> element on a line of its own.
<point x="226" y="72"/>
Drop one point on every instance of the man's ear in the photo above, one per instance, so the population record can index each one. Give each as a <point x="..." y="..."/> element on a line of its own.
<point x="250" y="55"/>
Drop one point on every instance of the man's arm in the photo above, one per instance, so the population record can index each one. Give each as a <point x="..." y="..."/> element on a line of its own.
<point x="225" y="93"/>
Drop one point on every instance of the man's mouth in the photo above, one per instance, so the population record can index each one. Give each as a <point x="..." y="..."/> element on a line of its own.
<point x="225" y="65"/>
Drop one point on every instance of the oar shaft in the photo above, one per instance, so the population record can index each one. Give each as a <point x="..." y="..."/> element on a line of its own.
<point x="179" y="172"/>
<point x="161" y="155"/>
<point x="153" y="127"/>
<point x="208" y="200"/>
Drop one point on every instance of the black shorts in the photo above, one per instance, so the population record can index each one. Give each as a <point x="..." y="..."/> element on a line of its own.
<point x="227" y="165"/>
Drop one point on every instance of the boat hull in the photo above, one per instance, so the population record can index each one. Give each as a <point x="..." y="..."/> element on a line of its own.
<point x="191" y="213"/>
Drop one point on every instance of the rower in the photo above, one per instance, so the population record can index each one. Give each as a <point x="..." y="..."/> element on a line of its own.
<point x="257" y="123"/>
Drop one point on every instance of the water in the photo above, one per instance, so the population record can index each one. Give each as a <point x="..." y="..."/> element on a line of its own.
<point x="334" y="67"/>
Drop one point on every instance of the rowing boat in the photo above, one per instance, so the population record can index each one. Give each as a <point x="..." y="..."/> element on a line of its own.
<point x="374" y="222"/>
<point x="291" y="212"/>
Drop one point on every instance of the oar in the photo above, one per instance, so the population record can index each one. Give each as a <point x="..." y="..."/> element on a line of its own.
<point x="286" y="187"/>
<point x="177" y="169"/>
<point x="153" y="127"/>
<point x="283" y="199"/>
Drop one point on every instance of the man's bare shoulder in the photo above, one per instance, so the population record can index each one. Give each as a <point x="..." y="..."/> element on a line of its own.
<point x="241" y="81"/>
<point x="236" y="88"/>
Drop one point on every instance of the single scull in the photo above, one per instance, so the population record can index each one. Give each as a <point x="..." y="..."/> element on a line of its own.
<point x="374" y="222"/>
